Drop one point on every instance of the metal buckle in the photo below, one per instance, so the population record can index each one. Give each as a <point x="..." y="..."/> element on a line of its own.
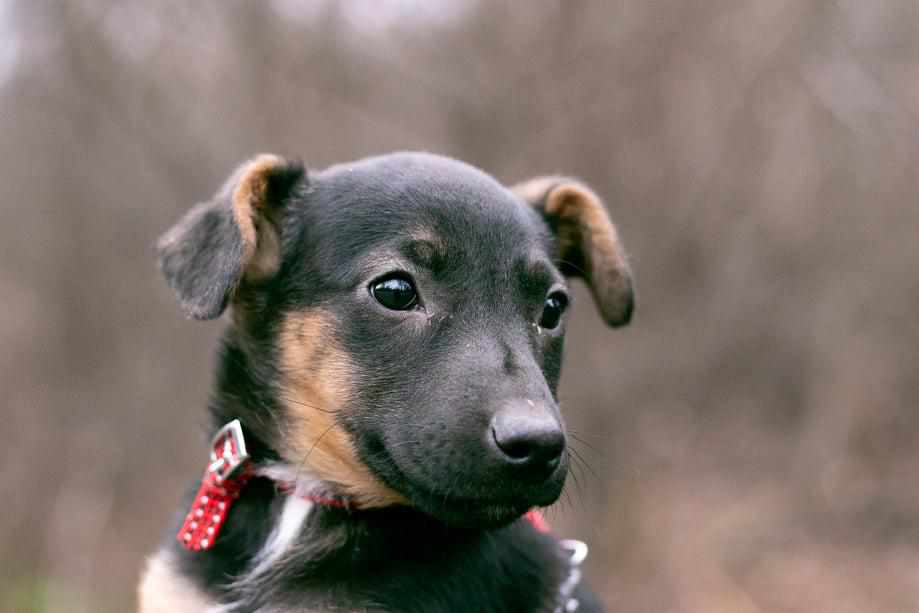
<point x="228" y="452"/>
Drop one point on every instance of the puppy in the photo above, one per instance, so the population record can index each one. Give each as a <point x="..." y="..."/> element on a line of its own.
<point x="385" y="397"/>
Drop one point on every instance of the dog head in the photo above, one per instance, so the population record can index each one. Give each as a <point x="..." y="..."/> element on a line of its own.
<point x="397" y="323"/>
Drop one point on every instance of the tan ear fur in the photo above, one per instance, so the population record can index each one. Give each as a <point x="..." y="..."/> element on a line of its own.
<point x="261" y="244"/>
<point x="588" y="242"/>
<point x="231" y="238"/>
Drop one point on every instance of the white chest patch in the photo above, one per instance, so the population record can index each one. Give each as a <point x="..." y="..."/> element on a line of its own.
<point x="285" y="532"/>
<point x="164" y="590"/>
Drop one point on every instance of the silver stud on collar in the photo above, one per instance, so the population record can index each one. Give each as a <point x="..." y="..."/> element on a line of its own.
<point x="577" y="553"/>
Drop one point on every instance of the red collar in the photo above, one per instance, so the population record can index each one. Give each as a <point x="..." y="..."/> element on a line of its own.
<point x="227" y="473"/>
<point x="229" y="470"/>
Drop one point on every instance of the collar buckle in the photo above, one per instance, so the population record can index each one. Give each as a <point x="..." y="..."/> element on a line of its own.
<point x="227" y="473"/>
<point x="228" y="452"/>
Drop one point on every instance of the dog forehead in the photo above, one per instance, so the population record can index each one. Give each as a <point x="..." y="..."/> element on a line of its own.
<point x="428" y="197"/>
<point x="404" y="170"/>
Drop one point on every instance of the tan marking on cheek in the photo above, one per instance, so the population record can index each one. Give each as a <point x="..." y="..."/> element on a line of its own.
<point x="316" y="379"/>
<point x="164" y="590"/>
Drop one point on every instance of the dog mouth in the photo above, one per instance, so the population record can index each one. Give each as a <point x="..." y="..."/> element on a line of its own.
<point x="480" y="512"/>
<point x="466" y="511"/>
<point x="489" y="505"/>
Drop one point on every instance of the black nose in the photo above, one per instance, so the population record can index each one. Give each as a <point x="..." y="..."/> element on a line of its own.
<point x="529" y="438"/>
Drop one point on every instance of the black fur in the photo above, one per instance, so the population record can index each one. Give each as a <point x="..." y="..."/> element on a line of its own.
<point x="426" y="383"/>
<point x="394" y="559"/>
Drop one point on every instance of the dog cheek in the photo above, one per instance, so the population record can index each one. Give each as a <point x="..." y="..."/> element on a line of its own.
<point x="316" y="385"/>
<point x="552" y="363"/>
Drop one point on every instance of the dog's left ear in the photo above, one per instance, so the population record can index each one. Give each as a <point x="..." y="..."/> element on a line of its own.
<point x="588" y="243"/>
<point x="230" y="240"/>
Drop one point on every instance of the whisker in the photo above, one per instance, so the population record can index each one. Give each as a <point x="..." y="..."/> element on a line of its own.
<point x="450" y="489"/>
<point x="302" y="465"/>
<point x="307" y="405"/>
<point x="579" y="438"/>
<point x="575" y="454"/>
<point x="575" y="466"/>
<point x="567" y="499"/>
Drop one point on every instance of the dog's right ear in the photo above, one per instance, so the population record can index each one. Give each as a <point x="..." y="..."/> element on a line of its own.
<point x="231" y="239"/>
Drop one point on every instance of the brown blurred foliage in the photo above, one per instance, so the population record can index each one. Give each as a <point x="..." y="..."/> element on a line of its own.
<point x="753" y="437"/>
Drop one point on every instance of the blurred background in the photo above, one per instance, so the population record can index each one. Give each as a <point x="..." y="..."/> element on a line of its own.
<point x="753" y="437"/>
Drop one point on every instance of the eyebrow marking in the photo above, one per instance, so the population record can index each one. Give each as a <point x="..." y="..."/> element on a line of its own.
<point x="537" y="275"/>
<point x="425" y="251"/>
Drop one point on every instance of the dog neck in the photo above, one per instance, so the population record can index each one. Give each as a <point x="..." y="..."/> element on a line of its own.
<point x="299" y="483"/>
<point x="285" y="523"/>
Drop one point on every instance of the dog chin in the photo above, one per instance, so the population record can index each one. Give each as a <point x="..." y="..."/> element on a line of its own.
<point x="485" y="510"/>
<point x="482" y="515"/>
<point x="479" y="513"/>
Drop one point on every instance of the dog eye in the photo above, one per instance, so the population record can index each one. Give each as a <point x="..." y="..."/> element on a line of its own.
<point x="552" y="310"/>
<point x="396" y="292"/>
